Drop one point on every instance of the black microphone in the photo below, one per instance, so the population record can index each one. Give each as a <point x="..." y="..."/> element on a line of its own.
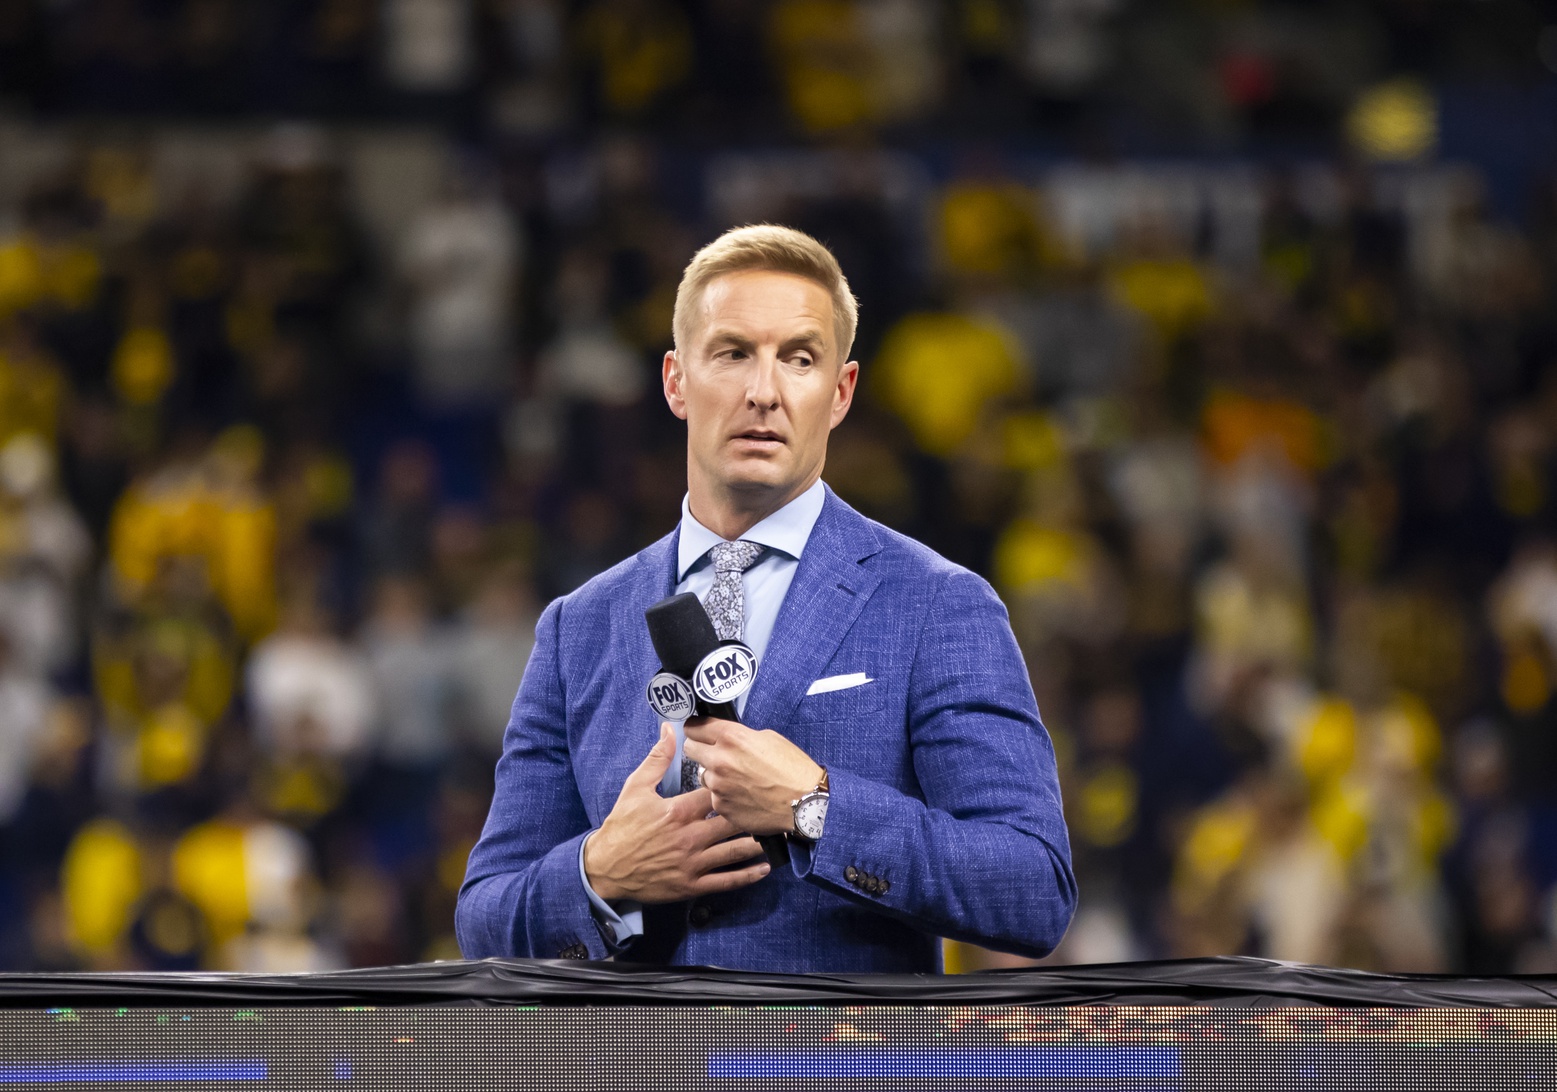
<point x="718" y="672"/>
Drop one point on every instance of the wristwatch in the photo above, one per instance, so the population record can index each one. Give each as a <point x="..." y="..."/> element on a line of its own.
<point x="811" y="811"/>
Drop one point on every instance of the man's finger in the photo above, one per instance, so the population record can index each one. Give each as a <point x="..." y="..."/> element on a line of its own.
<point x="715" y="882"/>
<point x="697" y="751"/>
<point x="713" y="830"/>
<point x="652" y="769"/>
<point x="728" y="853"/>
<point x="692" y="805"/>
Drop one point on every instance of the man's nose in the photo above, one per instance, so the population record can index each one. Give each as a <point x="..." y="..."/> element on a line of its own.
<point x="763" y="392"/>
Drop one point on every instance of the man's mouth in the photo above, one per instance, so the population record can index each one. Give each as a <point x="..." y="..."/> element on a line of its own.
<point x="759" y="434"/>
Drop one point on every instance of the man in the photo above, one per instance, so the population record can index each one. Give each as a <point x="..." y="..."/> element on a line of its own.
<point x="893" y="733"/>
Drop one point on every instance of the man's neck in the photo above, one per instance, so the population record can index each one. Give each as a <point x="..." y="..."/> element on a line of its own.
<point x="730" y="514"/>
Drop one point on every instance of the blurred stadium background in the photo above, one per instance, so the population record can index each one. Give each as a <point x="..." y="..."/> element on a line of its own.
<point x="1218" y="334"/>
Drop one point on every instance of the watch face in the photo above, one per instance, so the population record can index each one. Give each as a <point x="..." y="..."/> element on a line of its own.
<point x="810" y="815"/>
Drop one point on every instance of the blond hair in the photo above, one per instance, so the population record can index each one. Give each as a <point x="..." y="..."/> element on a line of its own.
<point x="771" y="248"/>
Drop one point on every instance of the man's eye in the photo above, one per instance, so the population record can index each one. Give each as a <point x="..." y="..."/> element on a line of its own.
<point x="803" y="360"/>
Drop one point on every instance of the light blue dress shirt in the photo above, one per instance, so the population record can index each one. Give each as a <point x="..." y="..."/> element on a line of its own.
<point x="784" y="534"/>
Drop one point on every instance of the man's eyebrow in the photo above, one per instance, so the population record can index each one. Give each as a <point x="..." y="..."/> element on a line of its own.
<point x="807" y="339"/>
<point x="810" y="339"/>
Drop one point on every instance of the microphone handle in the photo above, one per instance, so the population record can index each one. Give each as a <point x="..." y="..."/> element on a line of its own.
<point x="774" y="846"/>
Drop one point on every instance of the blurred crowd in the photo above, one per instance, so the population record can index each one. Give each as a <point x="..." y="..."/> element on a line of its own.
<point x="250" y="697"/>
<point x="734" y="70"/>
<point x="1262" y="458"/>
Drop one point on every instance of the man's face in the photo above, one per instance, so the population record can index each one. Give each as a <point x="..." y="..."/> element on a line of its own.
<point x="760" y="384"/>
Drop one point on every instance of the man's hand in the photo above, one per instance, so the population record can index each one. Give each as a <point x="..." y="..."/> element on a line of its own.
<point x="655" y="849"/>
<point x="754" y="776"/>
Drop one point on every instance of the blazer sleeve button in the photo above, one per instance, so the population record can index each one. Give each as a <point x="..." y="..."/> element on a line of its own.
<point x="852" y="874"/>
<point x="700" y="915"/>
<point x="886" y="885"/>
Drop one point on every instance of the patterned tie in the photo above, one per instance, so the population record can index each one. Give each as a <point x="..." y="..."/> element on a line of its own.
<point x="726" y="601"/>
<point x="726" y="606"/>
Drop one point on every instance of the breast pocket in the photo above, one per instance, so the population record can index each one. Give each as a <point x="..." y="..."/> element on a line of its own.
<point x="851" y="704"/>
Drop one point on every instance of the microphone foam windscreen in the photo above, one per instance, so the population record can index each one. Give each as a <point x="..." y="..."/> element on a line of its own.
<point x="682" y="633"/>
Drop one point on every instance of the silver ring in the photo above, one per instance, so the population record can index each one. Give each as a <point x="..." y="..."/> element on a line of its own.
<point x="701" y="769"/>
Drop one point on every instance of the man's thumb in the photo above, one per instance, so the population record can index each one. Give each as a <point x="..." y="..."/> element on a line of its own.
<point x="657" y="761"/>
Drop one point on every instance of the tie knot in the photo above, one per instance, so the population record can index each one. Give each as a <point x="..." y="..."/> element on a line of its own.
<point x="735" y="557"/>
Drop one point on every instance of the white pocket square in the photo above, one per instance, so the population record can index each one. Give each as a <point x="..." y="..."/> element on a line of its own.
<point x="838" y="682"/>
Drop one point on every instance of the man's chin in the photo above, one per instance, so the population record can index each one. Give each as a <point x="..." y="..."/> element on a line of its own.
<point x="758" y="479"/>
<point x="756" y="484"/>
<point x="756" y="467"/>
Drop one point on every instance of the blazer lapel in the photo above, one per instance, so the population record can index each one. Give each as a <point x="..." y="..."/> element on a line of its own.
<point x="828" y="593"/>
<point x="653" y="578"/>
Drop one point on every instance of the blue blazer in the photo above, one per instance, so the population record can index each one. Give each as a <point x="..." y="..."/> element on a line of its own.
<point x="944" y="818"/>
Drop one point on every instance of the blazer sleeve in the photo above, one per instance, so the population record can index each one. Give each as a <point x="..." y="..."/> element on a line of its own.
<point x="984" y="856"/>
<point x="523" y="893"/>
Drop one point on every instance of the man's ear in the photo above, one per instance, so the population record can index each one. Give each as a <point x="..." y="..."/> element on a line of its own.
<point x="843" y="393"/>
<point x="670" y="377"/>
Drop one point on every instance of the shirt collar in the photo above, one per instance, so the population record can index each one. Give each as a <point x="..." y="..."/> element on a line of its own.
<point x="786" y="530"/>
